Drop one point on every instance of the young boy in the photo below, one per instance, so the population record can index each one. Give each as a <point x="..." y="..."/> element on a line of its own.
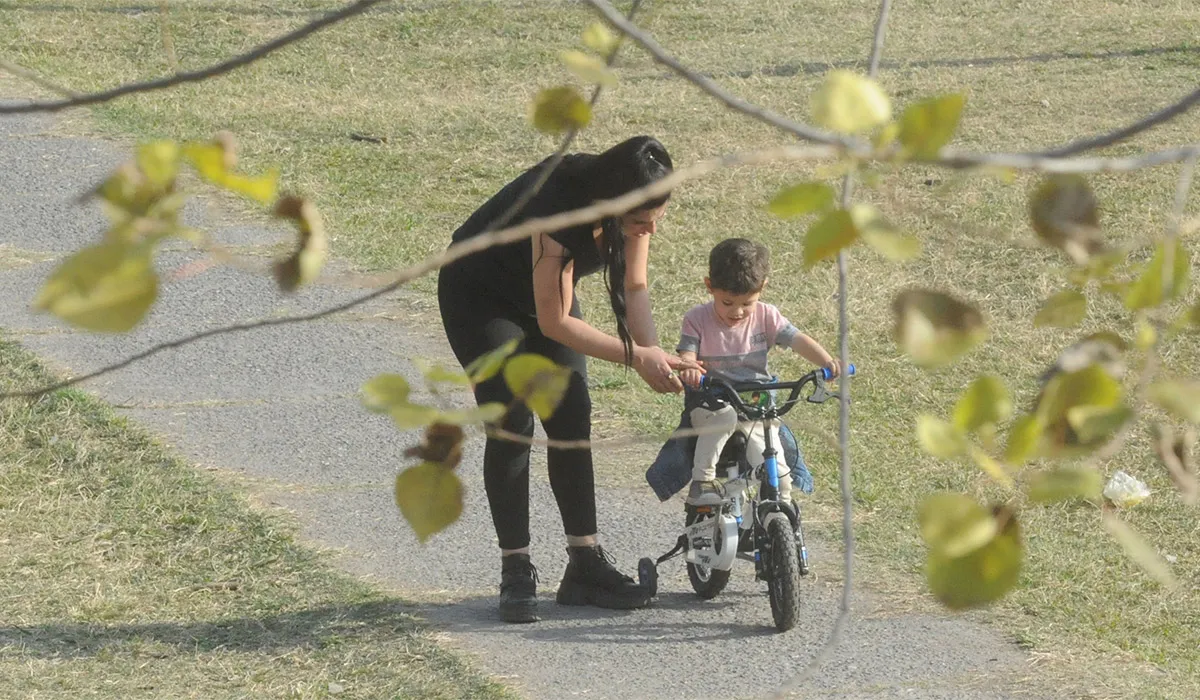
<point x="730" y="336"/>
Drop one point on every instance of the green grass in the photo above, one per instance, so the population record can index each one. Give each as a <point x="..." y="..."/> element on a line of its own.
<point x="125" y="573"/>
<point x="448" y="84"/>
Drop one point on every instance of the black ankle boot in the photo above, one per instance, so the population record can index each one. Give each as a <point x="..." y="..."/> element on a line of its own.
<point x="591" y="579"/>
<point x="518" y="589"/>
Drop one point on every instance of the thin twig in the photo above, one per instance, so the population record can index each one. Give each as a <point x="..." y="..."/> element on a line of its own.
<point x="956" y="160"/>
<point x="1160" y="117"/>
<point x="196" y="76"/>
<point x="26" y="74"/>
<point x="804" y="131"/>
<point x="843" y="618"/>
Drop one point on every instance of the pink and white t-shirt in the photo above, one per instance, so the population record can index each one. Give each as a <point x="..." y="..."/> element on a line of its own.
<point x="740" y="353"/>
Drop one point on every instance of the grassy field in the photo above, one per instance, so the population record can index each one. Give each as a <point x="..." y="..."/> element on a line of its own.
<point x="447" y="83"/>
<point x="125" y="573"/>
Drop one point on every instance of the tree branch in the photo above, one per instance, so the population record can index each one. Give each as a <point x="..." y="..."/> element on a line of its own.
<point x="843" y="618"/>
<point x="804" y="131"/>
<point x="196" y="76"/>
<point x="26" y="74"/>
<point x="1162" y="116"/>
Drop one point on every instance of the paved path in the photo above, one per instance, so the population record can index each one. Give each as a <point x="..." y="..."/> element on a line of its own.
<point x="278" y="407"/>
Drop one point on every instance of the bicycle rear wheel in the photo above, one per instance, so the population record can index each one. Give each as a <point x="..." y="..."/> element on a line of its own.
<point x="708" y="583"/>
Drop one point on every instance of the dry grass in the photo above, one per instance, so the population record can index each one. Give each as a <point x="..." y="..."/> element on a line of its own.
<point x="125" y="573"/>
<point x="448" y="83"/>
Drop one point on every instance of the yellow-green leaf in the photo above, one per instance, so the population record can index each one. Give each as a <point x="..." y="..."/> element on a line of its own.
<point x="849" y="103"/>
<point x="1179" y="397"/>
<point x="409" y="416"/>
<point x="212" y="163"/>
<point x="1065" y="483"/>
<point x="598" y="38"/>
<point x="884" y="238"/>
<point x="105" y="288"/>
<point x="927" y="126"/>
<point x="559" y="109"/>
<point x="982" y="576"/>
<point x="159" y="162"/>
<point x="1139" y="550"/>
<point x="488" y="365"/>
<point x="985" y="401"/>
<point x="934" y="328"/>
<point x="303" y="265"/>
<point x="939" y="438"/>
<point x="437" y="373"/>
<point x="1063" y="310"/>
<point x="589" y="69"/>
<point x="1095" y="424"/>
<point x="954" y="525"/>
<point x="992" y="467"/>
<point x="384" y="392"/>
<point x="801" y="199"/>
<point x="430" y="498"/>
<point x="1064" y="214"/>
<point x="538" y="382"/>
<point x="1157" y="284"/>
<point x="828" y="235"/>
<point x="1024" y="439"/>
<point x="487" y="413"/>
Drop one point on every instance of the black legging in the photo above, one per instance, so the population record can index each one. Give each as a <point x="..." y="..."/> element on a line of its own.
<point x="477" y="322"/>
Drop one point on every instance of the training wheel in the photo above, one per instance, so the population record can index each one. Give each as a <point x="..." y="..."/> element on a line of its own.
<point x="648" y="575"/>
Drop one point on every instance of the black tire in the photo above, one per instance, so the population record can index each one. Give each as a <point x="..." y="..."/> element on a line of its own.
<point x="784" y="582"/>
<point x="708" y="583"/>
<point x="648" y="575"/>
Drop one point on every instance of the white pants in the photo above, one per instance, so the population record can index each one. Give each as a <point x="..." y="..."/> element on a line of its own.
<point x="717" y="427"/>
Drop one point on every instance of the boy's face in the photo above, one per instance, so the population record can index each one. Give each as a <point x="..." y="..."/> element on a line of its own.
<point x="732" y="308"/>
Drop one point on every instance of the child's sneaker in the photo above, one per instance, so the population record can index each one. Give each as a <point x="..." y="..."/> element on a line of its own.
<point x="704" y="493"/>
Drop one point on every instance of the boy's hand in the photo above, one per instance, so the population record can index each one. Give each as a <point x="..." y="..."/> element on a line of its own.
<point x="691" y="377"/>
<point x="835" y="368"/>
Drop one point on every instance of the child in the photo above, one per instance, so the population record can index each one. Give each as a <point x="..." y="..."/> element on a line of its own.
<point x="730" y="336"/>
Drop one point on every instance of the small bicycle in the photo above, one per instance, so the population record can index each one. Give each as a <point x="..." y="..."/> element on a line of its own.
<point x="751" y="522"/>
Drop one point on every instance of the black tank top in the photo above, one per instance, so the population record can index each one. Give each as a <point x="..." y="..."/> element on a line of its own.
<point x="506" y="271"/>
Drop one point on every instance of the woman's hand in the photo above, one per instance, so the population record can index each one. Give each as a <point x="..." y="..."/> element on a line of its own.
<point x="657" y="368"/>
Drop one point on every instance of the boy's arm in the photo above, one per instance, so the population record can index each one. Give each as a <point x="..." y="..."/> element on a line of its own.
<point x="811" y="350"/>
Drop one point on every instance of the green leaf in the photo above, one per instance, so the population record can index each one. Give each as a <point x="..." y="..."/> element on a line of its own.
<point x="1095" y="424"/>
<point x="849" y="103"/>
<point x="487" y="413"/>
<point x="598" y="38"/>
<point x="213" y="164"/>
<point x="1179" y="397"/>
<point x="828" y="235"/>
<point x="984" y="575"/>
<point x="992" y="467"/>
<point x="589" y="69"/>
<point x="934" y="328"/>
<point x="436" y="373"/>
<point x="384" y="392"/>
<point x="939" y="438"/>
<point x="430" y="498"/>
<point x="159" y="162"/>
<point x="955" y="525"/>
<point x="1153" y="286"/>
<point x="488" y="365"/>
<point x="1063" y="310"/>
<point x="538" y="382"/>
<point x="801" y="199"/>
<point x="1064" y="214"/>
<point x="305" y="263"/>
<point x="1064" y="484"/>
<point x="559" y="109"/>
<point x="1024" y="439"/>
<point x="884" y="238"/>
<point x="106" y="288"/>
<point x="985" y="402"/>
<point x="1139" y="550"/>
<point x="410" y="416"/>
<point x="1080" y="409"/>
<point x="927" y="126"/>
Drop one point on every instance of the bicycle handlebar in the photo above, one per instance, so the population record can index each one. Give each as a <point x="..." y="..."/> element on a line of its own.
<point x="732" y="391"/>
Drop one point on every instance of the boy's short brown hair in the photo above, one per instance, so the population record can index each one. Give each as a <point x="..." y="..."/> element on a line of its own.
<point x="739" y="266"/>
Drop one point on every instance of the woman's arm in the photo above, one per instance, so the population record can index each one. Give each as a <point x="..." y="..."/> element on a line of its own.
<point x="637" y="291"/>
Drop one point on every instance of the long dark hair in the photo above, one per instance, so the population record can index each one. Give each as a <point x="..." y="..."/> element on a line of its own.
<point x="627" y="166"/>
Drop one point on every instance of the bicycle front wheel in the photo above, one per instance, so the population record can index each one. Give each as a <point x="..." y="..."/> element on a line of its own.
<point x="784" y="583"/>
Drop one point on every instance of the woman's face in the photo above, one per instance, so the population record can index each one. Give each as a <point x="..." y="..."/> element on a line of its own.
<point x="642" y="223"/>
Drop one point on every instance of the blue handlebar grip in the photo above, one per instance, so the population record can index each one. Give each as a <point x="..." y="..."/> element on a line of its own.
<point x="825" y="371"/>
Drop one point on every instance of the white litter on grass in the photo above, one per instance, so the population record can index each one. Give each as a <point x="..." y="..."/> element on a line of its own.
<point x="1125" y="491"/>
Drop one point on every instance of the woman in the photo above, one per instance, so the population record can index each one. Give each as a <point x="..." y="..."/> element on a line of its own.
<point x="526" y="290"/>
